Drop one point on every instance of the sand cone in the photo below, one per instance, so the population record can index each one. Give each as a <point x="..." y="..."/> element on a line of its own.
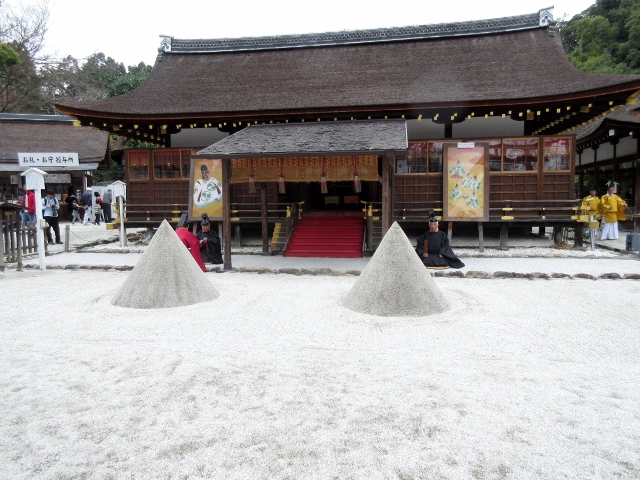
<point x="395" y="283"/>
<point x="166" y="276"/>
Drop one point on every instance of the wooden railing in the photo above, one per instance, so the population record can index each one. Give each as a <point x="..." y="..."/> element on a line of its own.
<point x="17" y="240"/>
<point x="499" y="210"/>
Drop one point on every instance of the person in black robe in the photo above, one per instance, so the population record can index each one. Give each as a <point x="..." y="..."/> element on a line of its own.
<point x="210" y="245"/>
<point x="433" y="247"/>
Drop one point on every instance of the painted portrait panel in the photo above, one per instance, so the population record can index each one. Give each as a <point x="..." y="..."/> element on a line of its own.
<point x="466" y="168"/>
<point x="205" y="189"/>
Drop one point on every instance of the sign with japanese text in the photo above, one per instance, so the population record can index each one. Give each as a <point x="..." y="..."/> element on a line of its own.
<point x="58" y="178"/>
<point x="48" y="159"/>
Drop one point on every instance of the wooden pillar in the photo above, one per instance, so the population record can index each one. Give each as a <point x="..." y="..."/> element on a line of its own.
<point x="480" y="237"/>
<point x="580" y="176"/>
<point x="636" y="188"/>
<point x="226" y="212"/>
<point x="2" y="263"/>
<point x="387" y="161"/>
<point x="448" y="130"/>
<point x="596" y="171"/>
<point x="504" y="237"/>
<point x="616" y="166"/>
<point x="577" y="237"/>
<point x="265" y="217"/>
<point x="450" y="231"/>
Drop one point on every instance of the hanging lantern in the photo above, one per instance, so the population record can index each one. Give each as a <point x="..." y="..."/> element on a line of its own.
<point x="281" y="188"/>
<point x="357" y="186"/>
<point x="323" y="184"/>
<point x="252" y="179"/>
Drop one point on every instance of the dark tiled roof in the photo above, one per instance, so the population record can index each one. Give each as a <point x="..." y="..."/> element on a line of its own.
<point x="39" y="136"/>
<point x="329" y="137"/>
<point x="626" y="113"/>
<point x="520" y="22"/>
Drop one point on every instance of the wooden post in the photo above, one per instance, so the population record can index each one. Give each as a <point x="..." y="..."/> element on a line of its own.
<point x="238" y="234"/>
<point x="265" y="218"/>
<point x="557" y="234"/>
<point x="19" y="239"/>
<point x="387" y="160"/>
<point x="369" y="213"/>
<point x="504" y="237"/>
<point x="450" y="231"/>
<point x="480" y="237"/>
<point x="226" y="212"/>
<point x="2" y="241"/>
<point x="577" y="236"/>
<point x="636" y="190"/>
<point x="596" y="172"/>
<point x="580" y="176"/>
<point x="67" y="237"/>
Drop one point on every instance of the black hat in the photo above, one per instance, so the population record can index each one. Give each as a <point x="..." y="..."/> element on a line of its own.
<point x="183" y="221"/>
<point x="205" y="220"/>
<point x="204" y="168"/>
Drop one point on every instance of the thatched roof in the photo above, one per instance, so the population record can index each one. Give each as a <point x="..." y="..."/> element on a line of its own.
<point x="49" y="133"/>
<point x="626" y="115"/>
<point x="314" y="138"/>
<point x="513" y="62"/>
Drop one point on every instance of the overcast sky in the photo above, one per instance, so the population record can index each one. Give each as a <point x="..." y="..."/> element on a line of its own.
<point x="128" y="30"/>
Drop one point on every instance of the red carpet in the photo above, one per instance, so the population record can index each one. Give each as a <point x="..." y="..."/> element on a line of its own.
<point x="327" y="237"/>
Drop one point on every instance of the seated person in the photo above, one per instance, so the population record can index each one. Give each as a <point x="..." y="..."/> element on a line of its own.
<point x="190" y="241"/>
<point x="210" y="247"/>
<point x="433" y="247"/>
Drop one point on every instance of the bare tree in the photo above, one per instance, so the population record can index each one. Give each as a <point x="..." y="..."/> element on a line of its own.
<point x="23" y="31"/>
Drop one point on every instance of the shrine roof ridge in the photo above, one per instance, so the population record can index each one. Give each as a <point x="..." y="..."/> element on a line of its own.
<point x="542" y="18"/>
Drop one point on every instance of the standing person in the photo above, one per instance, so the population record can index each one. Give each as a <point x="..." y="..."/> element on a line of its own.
<point x="106" y="206"/>
<point x="75" y="212"/>
<point x="97" y="208"/>
<point x="190" y="241"/>
<point x="612" y="210"/>
<point x="629" y="195"/>
<point x="592" y="204"/>
<point x="210" y="247"/>
<point x="592" y="201"/>
<point x="51" y="206"/>
<point x="433" y="247"/>
<point x="86" y="200"/>
<point x="29" y="212"/>
<point x="71" y="197"/>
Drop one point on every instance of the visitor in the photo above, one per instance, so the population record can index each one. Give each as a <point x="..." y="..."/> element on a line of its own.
<point x="97" y="209"/>
<point x="106" y="206"/>
<point x="433" y="247"/>
<point x="86" y="200"/>
<point x="69" y="200"/>
<point x="29" y="205"/>
<point x="51" y="206"/>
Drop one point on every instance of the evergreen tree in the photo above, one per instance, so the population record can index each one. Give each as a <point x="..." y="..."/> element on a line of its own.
<point x="605" y="38"/>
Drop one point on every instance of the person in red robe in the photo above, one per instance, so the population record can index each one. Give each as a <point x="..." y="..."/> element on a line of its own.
<point x="190" y="241"/>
